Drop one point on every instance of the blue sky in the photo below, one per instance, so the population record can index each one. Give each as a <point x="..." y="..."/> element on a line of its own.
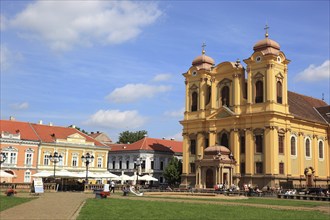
<point x="117" y="65"/>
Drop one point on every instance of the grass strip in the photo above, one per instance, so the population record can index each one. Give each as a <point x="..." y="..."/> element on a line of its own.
<point x="264" y="201"/>
<point x="7" y="202"/>
<point x="142" y="209"/>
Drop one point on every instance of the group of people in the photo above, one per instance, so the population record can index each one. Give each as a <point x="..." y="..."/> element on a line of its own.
<point x="224" y="187"/>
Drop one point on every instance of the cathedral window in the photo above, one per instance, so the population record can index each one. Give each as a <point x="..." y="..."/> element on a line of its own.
<point x="281" y="168"/>
<point x="293" y="146"/>
<point x="259" y="168"/>
<point x="208" y="95"/>
<point x="281" y="144"/>
<point x="259" y="92"/>
<point x="194" y="101"/>
<point x="225" y="96"/>
<point x="193" y="147"/>
<point x="308" y="148"/>
<point x="279" y="92"/>
<point x="224" y="140"/>
<point x="242" y="144"/>
<point x="320" y="149"/>
<point x="259" y="143"/>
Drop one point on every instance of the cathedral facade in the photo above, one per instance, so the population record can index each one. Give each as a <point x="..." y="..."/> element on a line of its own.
<point x="243" y="126"/>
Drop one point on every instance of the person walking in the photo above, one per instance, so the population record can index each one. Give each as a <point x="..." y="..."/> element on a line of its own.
<point x="112" y="186"/>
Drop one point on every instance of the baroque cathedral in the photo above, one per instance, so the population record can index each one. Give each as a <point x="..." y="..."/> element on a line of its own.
<point x="243" y="126"/>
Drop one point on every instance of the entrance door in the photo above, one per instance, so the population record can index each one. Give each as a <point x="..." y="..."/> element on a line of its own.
<point x="225" y="178"/>
<point x="209" y="178"/>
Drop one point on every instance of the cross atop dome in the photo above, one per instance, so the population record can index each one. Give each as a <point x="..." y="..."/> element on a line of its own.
<point x="203" y="46"/>
<point x="266" y="29"/>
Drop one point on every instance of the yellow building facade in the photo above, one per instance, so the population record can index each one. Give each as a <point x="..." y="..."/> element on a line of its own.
<point x="243" y="126"/>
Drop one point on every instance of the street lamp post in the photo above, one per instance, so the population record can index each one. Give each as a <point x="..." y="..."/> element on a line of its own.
<point x="138" y="163"/>
<point x="55" y="158"/>
<point x="87" y="159"/>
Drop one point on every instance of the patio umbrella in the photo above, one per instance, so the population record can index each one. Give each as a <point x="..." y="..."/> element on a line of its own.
<point x="43" y="173"/>
<point x="5" y="174"/>
<point x="106" y="175"/>
<point x="148" y="178"/>
<point x="82" y="174"/>
<point x="65" y="174"/>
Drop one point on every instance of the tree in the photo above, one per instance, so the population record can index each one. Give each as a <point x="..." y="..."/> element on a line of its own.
<point x="173" y="171"/>
<point x="131" y="136"/>
<point x="79" y="129"/>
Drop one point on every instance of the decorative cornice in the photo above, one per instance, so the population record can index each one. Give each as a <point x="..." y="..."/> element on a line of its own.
<point x="6" y="140"/>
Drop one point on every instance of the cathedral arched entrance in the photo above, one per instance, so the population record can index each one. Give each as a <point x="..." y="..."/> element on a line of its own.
<point x="209" y="178"/>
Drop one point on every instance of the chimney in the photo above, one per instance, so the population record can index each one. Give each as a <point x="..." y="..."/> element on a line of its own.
<point x="50" y="123"/>
<point x="163" y="138"/>
<point x="73" y="126"/>
<point x="92" y="132"/>
<point x="172" y="139"/>
<point x="11" y="118"/>
<point x="98" y="132"/>
<point x="40" y="122"/>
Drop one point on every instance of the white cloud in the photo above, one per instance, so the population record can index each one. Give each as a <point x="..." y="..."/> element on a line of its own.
<point x="20" y="106"/>
<point x="115" y="119"/>
<point x="178" y="113"/>
<point x="65" y="24"/>
<point x="161" y="77"/>
<point x="7" y="58"/>
<point x="315" y="73"/>
<point x="134" y="92"/>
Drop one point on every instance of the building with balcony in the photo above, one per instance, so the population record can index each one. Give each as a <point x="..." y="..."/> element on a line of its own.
<point x="154" y="154"/>
<point x="29" y="147"/>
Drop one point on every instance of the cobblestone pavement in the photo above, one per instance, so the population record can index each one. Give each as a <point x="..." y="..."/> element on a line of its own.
<point x="60" y="205"/>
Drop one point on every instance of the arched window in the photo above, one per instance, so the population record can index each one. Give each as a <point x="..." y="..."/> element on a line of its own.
<point x="225" y="96"/>
<point x="293" y="146"/>
<point x="194" y="98"/>
<point x="308" y="147"/>
<point x="208" y="95"/>
<point x="224" y="140"/>
<point x="279" y="92"/>
<point x="320" y="150"/>
<point x="259" y="92"/>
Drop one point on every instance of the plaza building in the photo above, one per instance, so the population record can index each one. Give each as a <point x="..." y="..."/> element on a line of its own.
<point x="154" y="155"/>
<point x="30" y="147"/>
<point x="243" y="126"/>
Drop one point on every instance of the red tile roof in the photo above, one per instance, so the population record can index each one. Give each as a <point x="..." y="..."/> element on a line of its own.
<point x="44" y="133"/>
<point x="24" y="128"/>
<point x="152" y="144"/>
<point x="304" y="107"/>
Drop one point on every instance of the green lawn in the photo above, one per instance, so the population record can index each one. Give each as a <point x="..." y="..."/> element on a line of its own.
<point x="266" y="201"/>
<point x="143" y="209"/>
<point x="7" y="202"/>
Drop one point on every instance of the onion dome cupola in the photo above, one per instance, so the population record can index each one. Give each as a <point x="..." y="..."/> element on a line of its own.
<point x="219" y="152"/>
<point x="267" y="46"/>
<point x="203" y="62"/>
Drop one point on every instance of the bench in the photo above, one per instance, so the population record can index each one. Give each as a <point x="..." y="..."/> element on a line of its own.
<point x="100" y="194"/>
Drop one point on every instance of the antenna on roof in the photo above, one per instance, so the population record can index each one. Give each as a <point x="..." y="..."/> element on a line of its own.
<point x="322" y="96"/>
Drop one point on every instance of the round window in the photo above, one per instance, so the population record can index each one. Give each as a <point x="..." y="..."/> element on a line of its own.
<point x="258" y="59"/>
